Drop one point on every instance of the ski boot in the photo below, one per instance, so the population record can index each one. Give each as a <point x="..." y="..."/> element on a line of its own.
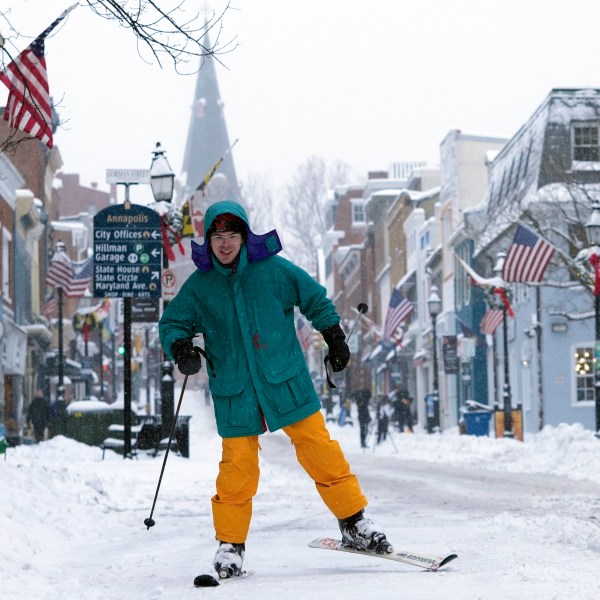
<point x="360" y="533"/>
<point x="229" y="559"/>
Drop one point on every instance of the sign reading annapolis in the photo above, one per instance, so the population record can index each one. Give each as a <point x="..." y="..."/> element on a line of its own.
<point x="127" y="252"/>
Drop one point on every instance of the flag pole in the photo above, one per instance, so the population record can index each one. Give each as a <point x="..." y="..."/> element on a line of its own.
<point x="56" y="21"/>
<point x="60" y="388"/>
<point x="207" y="179"/>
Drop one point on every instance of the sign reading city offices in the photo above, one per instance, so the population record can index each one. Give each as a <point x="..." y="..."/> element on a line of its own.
<point x="127" y="252"/>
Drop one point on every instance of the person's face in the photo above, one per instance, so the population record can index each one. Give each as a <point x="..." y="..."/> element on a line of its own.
<point x="226" y="246"/>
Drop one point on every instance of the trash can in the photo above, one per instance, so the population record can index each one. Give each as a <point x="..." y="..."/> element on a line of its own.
<point x="150" y="435"/>
<point x="477" y="422"/>
<point x="182" y="435"/>
<point x="87" y="421"/>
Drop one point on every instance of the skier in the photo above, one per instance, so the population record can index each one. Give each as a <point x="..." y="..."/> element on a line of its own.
<point x="364" y="416"/>
<point x="384" y="412"/>
<point x="242" y="298"/>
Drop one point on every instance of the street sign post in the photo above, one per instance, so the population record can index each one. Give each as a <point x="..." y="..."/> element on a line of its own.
<point x="127" y="264"/>
<point x="127" y="252"/>
<point x="127" y="176"/>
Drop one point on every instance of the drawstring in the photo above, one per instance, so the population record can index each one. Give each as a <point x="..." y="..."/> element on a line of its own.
<point x="208" y="361"/>
<point x="329" y="381"/>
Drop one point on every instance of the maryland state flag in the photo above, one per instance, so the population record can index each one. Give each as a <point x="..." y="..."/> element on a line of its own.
<point x="193" y="220"/>
<point x="187" y="229"/>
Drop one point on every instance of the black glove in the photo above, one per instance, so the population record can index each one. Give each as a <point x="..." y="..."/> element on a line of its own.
<point x="339" y="353"/>
<point x="187" y="356"/>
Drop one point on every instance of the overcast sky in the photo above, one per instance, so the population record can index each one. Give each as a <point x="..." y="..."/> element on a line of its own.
<point x="368" y="83"/>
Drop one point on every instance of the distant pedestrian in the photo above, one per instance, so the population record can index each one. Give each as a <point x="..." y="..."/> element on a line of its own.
<point x="364" y="415"/>
<point x="405" y="420"/>
<point x="38" y="415"/>
<point x="430" y="412"/>
<point x="384" y="413"/>
<point x="327" y="403"/>
<point x="345" y="417"/>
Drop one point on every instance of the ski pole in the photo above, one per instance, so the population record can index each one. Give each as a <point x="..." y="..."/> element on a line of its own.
<point x="362" y="308"/>
<point x="149" y="522"/>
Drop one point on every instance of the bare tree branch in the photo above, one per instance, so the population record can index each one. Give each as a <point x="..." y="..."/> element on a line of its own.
<point x="258" y="197"/>
<point x="304" y="214"/>
<point x="175" y="33"/>
<point x="171" y="32"/>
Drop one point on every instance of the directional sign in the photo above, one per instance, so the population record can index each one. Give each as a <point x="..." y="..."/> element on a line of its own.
<point x="127" y="252"/>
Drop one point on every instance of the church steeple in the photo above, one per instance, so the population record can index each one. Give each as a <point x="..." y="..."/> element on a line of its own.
<point x="207" y="139"/>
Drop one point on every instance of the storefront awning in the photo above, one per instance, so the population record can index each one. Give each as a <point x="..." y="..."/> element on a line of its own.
<point x="15" y="342"/>
<point x="66" y="380"/>
<point x="377" y="350"/>
<point x="420" y="358"/>
<point x="407" y="282"/>
<point x="71" y="368"/>
<point x="38" y="330"/>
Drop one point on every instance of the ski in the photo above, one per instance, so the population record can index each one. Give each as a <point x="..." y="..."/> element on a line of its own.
<point x="207" y="580"/>
<point x="428" y="562"/>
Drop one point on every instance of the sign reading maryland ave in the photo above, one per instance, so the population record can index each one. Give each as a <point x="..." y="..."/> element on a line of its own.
<point x="127" y="252"/>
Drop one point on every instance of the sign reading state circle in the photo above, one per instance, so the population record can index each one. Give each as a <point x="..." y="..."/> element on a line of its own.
<point x="127" y="252"/>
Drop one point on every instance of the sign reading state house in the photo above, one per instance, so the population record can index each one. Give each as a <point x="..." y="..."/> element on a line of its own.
<point x="127" y="252"/>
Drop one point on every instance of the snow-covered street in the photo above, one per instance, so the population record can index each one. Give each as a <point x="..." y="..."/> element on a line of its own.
<point x="523" y="518"/>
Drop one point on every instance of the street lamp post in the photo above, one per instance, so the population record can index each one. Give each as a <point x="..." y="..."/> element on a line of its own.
<point x="162" y="181"/>
<point x="506" y="391"/>
<point x="101" y="347"/>
<point x="434" y="303"/>
<point x="592" y="228"/>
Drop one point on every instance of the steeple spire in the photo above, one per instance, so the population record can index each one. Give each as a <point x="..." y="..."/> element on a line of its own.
<point x="207" y="139"/>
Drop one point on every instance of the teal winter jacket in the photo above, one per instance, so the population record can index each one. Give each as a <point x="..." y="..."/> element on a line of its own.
<point x="247" y="318"/>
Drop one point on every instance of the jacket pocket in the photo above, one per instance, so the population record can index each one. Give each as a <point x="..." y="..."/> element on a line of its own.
<point x="231" y="406"/>
<point x="288" y="389"/>
<point x="283" y="373"/>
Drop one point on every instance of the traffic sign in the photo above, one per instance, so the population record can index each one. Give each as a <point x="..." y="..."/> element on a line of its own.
<point x="169" y="284"/>
<point x="145" y="310"/>
<point x="127" y="252"/>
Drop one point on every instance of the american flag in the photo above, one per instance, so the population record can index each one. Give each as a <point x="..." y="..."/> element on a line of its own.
<point x="28" y="106"/>
<point x="50" y="306"/>
<point x="303" y="332"/>
<point x="72" y="277"/>
<point x="398" y="310"/>
<point x="527" y="258"/>
<point x="491" y="320"/>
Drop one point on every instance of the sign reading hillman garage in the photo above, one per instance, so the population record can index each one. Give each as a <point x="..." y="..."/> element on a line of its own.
<point x="127" y="252"/>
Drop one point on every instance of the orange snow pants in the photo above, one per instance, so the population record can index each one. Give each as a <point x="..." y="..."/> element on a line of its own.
<point x="319" y="455"/>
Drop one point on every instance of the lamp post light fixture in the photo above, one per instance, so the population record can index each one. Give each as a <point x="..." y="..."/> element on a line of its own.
<point x="506" y="391"/>
<point x="162" y="181"/>
<point x="434" y="304"/>
<point x="162" y="178"/>
<point x="592" y="228"/>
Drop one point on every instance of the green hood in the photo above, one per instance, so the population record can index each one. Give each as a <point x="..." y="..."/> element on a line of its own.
<point x="258" y="247"/>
